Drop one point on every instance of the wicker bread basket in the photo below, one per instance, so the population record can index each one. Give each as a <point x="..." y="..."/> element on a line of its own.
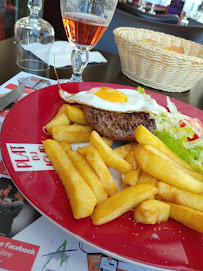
<point x="156" y="67"/>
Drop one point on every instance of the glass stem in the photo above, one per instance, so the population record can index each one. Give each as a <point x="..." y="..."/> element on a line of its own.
<point x="79" y="59"/>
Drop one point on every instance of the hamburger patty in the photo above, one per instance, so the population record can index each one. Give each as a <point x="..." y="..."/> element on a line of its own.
<point x="118" y="126"/>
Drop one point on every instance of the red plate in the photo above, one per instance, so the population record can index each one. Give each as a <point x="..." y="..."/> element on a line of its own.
<point x="167" y="245"/>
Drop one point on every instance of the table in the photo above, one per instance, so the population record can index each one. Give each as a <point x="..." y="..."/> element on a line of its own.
<point x="109" y="72"/>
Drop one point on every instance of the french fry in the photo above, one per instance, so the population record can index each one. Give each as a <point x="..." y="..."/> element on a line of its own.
<point x="160" y="166"/>
<point x="66" y="146"/>
<point x="145" y="178"/>
<point x="108" y="141"/>
<point x="193" y="173"/>
<point x="71" y="133"/>
<point x="157" y="197"/>
<point x="62" y="108"/>
<point x="81" y="197"/>
<point x="151" y="211"/>
<point x="89" y="176"/>
<point x="77" y="124"/>
<point x="125" y="149"/>
<point x="131" y="177"/>
<point x="111" y="158"/>
<point x="130" y="158"/>
<point x="97" y="163"/>
<point x="179" y="196"/>
<point x="145" y="137"/>
<point x="121" y="202"/>
<point x="77" y="105"/>
<point x="58" y="120"/>
<point x="76" y="115"/>
<point x="187" y="216"/>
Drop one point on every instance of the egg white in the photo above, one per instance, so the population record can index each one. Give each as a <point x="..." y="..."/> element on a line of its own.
<point x="137" y="102"/>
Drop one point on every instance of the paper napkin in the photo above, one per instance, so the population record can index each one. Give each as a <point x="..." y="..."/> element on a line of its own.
<point x="59" y="53"/>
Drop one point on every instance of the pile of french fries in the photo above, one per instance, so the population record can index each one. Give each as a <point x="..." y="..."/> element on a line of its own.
<point x="157" y="183"/>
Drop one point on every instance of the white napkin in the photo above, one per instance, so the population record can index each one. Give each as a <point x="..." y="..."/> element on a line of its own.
<point x="61" y="51"/>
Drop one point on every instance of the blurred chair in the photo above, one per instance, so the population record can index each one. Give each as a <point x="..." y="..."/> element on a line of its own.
<point x="123" y="18"/>
<point x="162" y="18"/>
<point x="194" y="22"/>
<point x="2" y="33"/>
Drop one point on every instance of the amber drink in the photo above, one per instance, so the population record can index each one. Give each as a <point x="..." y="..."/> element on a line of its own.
<point x="84" y="29"/>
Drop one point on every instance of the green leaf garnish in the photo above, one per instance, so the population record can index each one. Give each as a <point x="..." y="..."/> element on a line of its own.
<point x="175" y="145"/>
<point x="141" y="90"/>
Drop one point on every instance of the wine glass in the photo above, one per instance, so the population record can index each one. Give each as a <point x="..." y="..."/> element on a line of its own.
<point x="141" y="5"/>
<point x="85" y="21"/>
<point x="151" y="11"/>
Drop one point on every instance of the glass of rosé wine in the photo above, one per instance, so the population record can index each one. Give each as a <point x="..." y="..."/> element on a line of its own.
<point x="85" y="21"/>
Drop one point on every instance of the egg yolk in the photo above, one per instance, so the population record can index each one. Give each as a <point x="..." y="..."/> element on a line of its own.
<point x="112" y="95"/>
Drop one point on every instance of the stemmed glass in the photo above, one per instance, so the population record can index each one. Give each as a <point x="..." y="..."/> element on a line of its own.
<point x="85" y="21"/>
<point x="141" y="5"/>
<point x="151" y="11"/>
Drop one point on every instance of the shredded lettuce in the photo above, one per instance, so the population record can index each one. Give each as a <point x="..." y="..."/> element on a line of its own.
<point x="167" y="120"/>
<point x="181" y="133"/>
<point x="173" y="109"/>
<point x="171" y="106"/>
<point x="141" y="90"/>
<point x="195" y="143"/>
<point x="194" y="153"/>
<point x="197" y="164"/>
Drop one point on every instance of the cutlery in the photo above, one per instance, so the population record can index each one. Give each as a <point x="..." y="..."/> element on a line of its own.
<point x="11" y="96"/>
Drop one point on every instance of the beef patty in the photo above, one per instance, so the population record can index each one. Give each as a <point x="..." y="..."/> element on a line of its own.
<point x="118" y="126"/>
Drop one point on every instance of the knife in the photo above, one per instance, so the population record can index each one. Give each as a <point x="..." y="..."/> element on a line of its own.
<point x="11" y="96"/>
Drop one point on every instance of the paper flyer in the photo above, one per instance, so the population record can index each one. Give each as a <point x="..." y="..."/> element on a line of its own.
<point x="60" y="250"/>
<point x="32" y="83"/>
<point x="29" y="241"/>
<point x="17" y="255"/>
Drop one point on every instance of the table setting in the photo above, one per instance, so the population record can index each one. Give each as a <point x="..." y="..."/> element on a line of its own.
<point x="75" y="68"/>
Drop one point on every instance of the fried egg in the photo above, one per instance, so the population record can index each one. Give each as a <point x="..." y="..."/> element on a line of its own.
<point x="117" y="100"/>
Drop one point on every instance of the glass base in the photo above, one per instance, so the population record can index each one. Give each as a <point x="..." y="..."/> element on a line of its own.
<point x="151" y="11"/>
<point x="141" y="9"/>
<point x="73" y="79"/>
<point x="32" y="65"/>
